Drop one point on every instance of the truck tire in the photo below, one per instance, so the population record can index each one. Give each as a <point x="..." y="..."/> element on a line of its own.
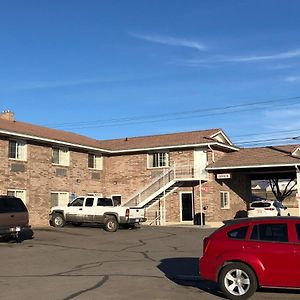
<point x="111" y="224"/>
<point x="237" y="281"/>
<point x="58" y="220"/>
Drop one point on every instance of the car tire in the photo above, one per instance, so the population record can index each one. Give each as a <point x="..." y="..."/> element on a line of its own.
<point x="58" y="220"/>
<point x="111" y="224"/>
<point x="237" y="281"/>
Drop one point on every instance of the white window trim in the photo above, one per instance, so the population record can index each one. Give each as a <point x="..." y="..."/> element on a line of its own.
<point x="60" y="192"/>
<point x="228" y="199"/>
<point x="18" y="190"/>
<point x="100" y="157"/>
<point x="24" y="149"/>
<point x="159" y="167"/>
<point x="60" y="149"/>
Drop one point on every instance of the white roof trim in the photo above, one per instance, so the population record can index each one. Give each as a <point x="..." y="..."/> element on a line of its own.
<point x="176" y="147"/>
<point x="224" y="135"/>
<point x="36" y="138"/>
<point x="253" y="166"/>
<point x="295" y="151"/>
<point x="53" y="141"/>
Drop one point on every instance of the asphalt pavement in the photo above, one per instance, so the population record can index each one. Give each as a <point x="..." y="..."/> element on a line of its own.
<point x="90" y="263"/>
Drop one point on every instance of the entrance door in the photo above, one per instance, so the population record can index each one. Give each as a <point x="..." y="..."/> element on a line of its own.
<point x="186" y="207"/>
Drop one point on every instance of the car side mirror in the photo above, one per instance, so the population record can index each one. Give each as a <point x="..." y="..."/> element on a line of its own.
<point x="69" y="204"/>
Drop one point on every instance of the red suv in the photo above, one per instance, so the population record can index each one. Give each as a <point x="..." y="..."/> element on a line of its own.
<point x="249" y="253"/>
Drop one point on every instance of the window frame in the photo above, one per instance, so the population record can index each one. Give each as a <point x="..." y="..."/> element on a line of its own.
<point x="62" y="161"/>
<point x="97" y="161"/>
<point x="60" y="193"/>
<point x="152" y="161"/>
<point x="15" y="191"/>
<point x="222" y="202"/>
<point x="20" y="150"/>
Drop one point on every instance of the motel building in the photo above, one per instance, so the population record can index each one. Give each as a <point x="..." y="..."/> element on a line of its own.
<point x="177" y="178"/>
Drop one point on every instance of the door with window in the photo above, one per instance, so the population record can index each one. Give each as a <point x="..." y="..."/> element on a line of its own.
<point x="74" y="211"/>
<point x="187" y="211"/>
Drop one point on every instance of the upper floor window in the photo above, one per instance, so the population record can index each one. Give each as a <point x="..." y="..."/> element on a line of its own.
<point x="158" y="159"/>
<point x="60" y="156"/>
<point x="225" y="203"/>
<point x="95" y="161"/>
<point x="17" y="150"/>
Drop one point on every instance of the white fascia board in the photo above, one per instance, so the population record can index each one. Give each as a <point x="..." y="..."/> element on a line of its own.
<point x="52" y="141"/>
<point x="253" y="166"/>
<point x="223" y="134"/>
<point x="176" y="147"/>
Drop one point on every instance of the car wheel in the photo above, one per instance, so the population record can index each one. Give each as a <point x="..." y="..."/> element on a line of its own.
<point x="237" y="281"/>
<point x="111" y="224"/>
<point x="58" y="220"/>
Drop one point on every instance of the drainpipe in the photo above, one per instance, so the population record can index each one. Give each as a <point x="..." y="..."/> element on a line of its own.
<point x="213" y="153"/>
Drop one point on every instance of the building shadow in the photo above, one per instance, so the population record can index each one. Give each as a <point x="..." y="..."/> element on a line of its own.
<point x="185" y="271"/>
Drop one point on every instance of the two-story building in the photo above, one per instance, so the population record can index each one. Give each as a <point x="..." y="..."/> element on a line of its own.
<point x="173" y="176"/>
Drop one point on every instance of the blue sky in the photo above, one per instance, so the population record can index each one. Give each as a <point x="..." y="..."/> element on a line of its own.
<point x="110" y="69"/>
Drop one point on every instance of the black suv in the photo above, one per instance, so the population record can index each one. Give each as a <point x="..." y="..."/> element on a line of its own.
<point x="13" y="217"/>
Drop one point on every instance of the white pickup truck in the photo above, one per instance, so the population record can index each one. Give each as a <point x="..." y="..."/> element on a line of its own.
<point x="91" y="209"/>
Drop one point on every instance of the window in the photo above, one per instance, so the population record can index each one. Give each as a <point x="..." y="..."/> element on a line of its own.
<point x="158" y="160"/>
<point x="117" y="199"/>
<point x="59" y="198"/>
<point x="17" y="150"/>
<point x="89" y="201"/>
<point x="77" y="202"/>
<point x="95" y="161"/>
<point x="225" y="204"/>
<point x="239" y="233"/>
<point x="60" y="156"/>
<point x="104" y="202"/>
<point x="270" y="232"/>
<point x="298" y="231"/>
<point x="17" y="193"/>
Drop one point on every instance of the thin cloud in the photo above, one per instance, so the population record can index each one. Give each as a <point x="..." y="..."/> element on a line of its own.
<point x="293" y="79"/>
<point x="58" y="84"/>
<point x="242" y="59"/>
<point x="170" y="41"/>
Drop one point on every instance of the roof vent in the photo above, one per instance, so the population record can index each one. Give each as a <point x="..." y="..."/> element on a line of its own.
<point x="7" y="115"/>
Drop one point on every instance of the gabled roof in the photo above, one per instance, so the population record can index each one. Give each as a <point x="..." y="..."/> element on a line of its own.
<point x="257" y="157"/>
<point x="34" y="132"/>
<point x="183" y="139"/>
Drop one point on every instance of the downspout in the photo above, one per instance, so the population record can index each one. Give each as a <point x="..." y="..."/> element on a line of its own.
<point x="213" y="153"/>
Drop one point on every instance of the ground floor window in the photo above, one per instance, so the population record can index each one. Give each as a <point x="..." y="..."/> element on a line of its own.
<point x="225" y="204"/>
<point x="59" y="198"/>
<point x="117" y="199"/>
<point x="17" y="193"/>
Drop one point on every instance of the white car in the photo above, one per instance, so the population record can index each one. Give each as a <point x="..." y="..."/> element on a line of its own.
<point x="267" y="208"/>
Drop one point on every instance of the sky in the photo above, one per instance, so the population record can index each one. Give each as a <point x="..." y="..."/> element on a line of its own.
<point x="121" y="68"/>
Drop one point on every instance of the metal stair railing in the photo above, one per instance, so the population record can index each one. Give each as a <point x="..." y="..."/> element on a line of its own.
<point x="174" y="173"/>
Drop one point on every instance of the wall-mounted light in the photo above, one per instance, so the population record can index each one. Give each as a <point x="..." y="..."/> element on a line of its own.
<point x="115" y="182"/>
<point x="174" y="193"/>
<point x="78" y="180"/>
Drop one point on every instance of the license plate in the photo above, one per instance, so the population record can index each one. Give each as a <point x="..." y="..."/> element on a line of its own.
<point x="137" y="220"/>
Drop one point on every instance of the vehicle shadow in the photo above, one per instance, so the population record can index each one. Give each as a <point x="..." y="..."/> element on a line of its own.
<point x="185" y="271"/>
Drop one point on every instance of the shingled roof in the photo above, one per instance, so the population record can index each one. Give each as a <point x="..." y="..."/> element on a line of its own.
<point x="164" y="140"/>
<point x="34" y="131"/>
<point x="261" y="156"/>
<point x="183" y="139"/>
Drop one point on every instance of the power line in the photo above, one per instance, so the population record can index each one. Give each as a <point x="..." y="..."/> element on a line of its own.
<point x="175" y="115"/>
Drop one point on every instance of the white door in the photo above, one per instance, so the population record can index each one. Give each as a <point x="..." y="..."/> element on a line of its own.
<point x="200" y="163"/>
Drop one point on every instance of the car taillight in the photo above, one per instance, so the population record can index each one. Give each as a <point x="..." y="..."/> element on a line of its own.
<point x="127" y="213"/>
<point x="205" y="244"/>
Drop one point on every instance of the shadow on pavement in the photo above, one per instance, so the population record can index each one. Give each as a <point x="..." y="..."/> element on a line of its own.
<point x="185" y="271"/>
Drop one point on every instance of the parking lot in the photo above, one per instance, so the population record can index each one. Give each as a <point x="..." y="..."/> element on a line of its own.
<point x="89" y="263"/>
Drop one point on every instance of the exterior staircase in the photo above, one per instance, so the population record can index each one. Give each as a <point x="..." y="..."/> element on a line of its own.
<point x="166" y="183"/>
